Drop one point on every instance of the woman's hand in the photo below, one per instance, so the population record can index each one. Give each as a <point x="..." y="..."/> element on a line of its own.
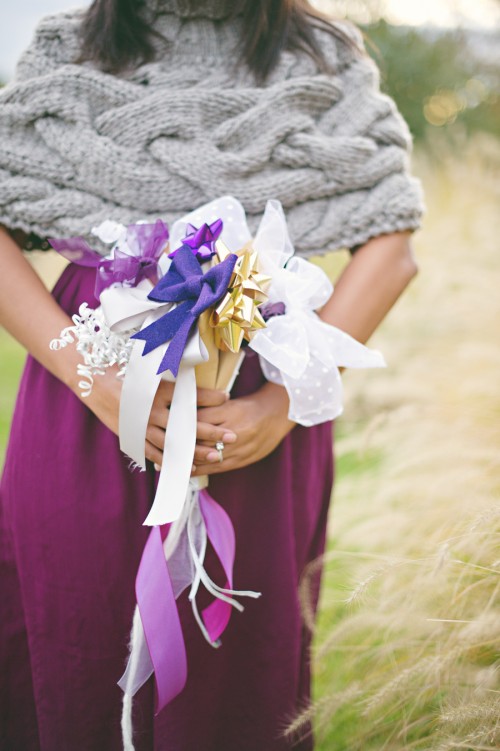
<point x="104" y="401"/>
<point x="260" y="421"/>
<point x="205" y="432"/>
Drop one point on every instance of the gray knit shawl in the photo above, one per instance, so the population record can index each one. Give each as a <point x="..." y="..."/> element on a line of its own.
<point x="78" y="146"/>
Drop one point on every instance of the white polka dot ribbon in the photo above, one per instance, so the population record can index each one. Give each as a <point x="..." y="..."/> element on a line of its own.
<point x="297" y="349"/>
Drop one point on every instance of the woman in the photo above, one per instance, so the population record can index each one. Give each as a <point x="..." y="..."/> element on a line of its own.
<point x="136" y="110"/>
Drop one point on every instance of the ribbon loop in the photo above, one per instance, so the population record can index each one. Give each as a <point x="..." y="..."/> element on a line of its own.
<point x="201" y="241"/>
<point x="186" y="284"/>
<point x="134" y="257"/>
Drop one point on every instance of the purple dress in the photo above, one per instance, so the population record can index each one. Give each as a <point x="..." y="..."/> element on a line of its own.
<point x="71" y="532"/>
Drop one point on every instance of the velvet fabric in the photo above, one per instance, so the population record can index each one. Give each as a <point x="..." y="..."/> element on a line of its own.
<point x="71" y="540"/>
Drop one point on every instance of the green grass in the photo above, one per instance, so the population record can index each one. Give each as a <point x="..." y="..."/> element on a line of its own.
<point x="12" y="357"/>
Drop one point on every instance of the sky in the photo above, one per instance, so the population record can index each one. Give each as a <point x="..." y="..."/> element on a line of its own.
<point x="18" y="18"/>
<point x="443" y="13"/>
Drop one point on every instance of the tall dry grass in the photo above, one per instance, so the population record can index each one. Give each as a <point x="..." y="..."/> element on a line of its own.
<point x="408" y="645"/>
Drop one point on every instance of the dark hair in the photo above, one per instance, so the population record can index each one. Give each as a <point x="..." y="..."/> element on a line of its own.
<point x="116" y="34"/>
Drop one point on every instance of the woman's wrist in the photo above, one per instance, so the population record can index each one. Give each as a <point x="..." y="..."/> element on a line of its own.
<point x="64" y="365"/>
<point x="278" y="402"/>
<point x="370" y="285"/>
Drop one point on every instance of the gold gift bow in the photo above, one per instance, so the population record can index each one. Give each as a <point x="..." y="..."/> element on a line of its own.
<point x="237" y="316"/>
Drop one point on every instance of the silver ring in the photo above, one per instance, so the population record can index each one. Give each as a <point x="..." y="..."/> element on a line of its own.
<point x="219" y="446"/>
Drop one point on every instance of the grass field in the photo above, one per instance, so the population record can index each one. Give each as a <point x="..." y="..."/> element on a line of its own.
<point x="11" y="362"/>
<point x="408" y="642"/>
<point x="407" y="645"/>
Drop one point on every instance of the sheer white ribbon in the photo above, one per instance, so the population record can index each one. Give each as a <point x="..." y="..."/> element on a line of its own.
<point x="297" y="349"/>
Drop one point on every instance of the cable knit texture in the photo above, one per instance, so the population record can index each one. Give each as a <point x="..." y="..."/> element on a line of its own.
<point x="78" y="146"/>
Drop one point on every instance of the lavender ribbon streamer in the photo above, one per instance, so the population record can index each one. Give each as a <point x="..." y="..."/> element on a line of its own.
<point x="185" y="284"/>
<point x="160" y="620"/>
<point x="220" y="532"/>
<point x="146" y="241"/>
<point x="201" y="241"/>
<point x="157" y="602"/>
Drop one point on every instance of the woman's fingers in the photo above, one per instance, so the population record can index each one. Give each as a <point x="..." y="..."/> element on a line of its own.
<point x="155" y="436"/>
<point x="163" y="399"/>
<point x="153" y="454"/>
<point x="205" y="433"/>
<point x="205" y="397"/>
<point x="165" y="391"/>
<point x="211" y="434"/>
<point x="159" y="415"/>
<point x="207" y="455"/>
<point x="205" y="452"/>
<point x="211" y="398"/>
<point x="207" y="436"/>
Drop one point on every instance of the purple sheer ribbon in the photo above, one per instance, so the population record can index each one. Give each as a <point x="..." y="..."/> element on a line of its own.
<point x="146" y="241"/>
<point x="160" y="620"/>
<point x="158" y="608"/>
<point x="194" y="292"/>
<point x="272" y="309"/>
<point x="220" y="532"/>
<point x="201" y="241"/>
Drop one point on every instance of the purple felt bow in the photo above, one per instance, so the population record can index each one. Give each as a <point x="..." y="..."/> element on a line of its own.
<point x="186" y="284"/>
<point x="201" y="241"/>
<point x="146" y="241"/>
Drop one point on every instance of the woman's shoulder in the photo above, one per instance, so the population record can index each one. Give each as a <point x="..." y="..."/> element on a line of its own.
<point x="340" y="41"/>
<point x="342" y="55"/>
<point x="56" y="42"/>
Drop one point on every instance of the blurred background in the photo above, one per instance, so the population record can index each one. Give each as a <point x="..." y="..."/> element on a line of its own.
<point x="407" y="649"/>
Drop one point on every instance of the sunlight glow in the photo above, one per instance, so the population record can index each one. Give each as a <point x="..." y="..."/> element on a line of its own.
<point x="484" y="13"/>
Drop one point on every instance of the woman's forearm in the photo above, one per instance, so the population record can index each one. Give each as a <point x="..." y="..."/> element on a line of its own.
<point x="370" y="285"/>
<point x="30" y="313"/>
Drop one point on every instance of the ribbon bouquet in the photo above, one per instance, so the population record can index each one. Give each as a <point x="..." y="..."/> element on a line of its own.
<point x="184" y="307"/>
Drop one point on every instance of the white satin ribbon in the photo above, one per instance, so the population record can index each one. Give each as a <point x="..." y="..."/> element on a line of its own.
<point x="178" y="451"/>
<point x="126" y="308"/>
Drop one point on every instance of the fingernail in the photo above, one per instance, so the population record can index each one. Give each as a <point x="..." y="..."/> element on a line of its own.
<point x="157" y="467"/>
<point x="193" y="469"/>
<point x="229" y="437"/>
<point x="213" y="456"/>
